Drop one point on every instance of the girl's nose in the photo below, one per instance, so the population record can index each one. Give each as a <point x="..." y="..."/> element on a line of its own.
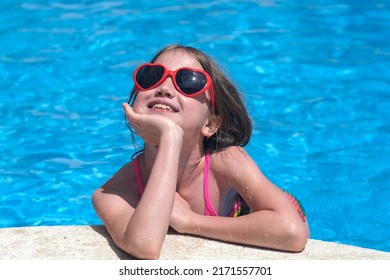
<point x="167" y="88"/>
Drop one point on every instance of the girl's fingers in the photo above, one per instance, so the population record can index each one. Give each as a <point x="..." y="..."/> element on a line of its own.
<point x="126" y="107"/>
<point x="130" y="114"/>
<point x="148" y="127"/>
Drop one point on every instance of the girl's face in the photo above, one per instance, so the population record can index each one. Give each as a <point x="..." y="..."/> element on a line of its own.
<point x="191" y="113"/>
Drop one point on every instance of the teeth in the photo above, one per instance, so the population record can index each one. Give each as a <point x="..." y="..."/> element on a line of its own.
<point x="162" y="107"/>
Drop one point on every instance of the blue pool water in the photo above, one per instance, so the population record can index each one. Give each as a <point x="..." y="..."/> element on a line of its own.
<point x="316" y="75"/>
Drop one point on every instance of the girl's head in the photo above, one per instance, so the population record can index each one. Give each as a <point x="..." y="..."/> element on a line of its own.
<point x="235" y="124"/>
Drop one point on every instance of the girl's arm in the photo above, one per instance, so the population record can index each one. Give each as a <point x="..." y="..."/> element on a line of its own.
<point x="273" y="223"/>
<point x="141" y="231"/>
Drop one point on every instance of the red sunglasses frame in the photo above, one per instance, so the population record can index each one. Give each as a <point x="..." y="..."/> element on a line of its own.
<point x="172" y="74"/>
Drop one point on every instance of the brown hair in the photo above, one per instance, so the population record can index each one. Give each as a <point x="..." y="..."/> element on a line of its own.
<point x="236" y="125"/>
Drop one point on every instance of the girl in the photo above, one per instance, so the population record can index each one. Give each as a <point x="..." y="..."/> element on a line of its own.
<point x="193" y="174"/>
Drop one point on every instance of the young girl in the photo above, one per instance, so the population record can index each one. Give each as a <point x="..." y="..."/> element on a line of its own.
<point x="193" y="174"/>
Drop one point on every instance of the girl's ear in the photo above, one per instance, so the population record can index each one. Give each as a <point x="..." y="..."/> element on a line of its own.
<point x="212" y="126"/>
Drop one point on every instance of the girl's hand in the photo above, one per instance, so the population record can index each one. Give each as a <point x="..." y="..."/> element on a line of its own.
<point x="151" y="127"/>
<point x="181" y="215"/>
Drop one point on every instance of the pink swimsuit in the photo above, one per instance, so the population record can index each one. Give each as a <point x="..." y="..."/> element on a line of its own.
<point x="209" y="209"/>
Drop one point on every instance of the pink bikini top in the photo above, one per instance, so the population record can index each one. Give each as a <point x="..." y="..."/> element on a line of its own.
<point x="209" y="209"/>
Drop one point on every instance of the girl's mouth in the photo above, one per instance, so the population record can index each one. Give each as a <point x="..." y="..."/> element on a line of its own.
<point x="162" y="107"/>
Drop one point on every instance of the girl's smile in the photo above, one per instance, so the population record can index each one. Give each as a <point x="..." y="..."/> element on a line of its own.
<point x="161" y="104"/>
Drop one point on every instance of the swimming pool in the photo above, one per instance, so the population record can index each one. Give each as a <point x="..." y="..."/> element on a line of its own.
<point x="315" y="73"/>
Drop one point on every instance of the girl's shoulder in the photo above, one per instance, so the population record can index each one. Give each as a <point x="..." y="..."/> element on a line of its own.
<point x="126" y="172"/>
<point x="232" y="162"/>
<point x="229" y="157"/>
<point x="123" y="181"/>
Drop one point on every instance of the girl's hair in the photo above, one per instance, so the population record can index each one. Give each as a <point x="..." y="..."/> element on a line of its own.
<point x="236" y="125"/>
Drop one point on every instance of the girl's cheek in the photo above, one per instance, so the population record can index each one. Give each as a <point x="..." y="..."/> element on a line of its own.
<point x="137" y="105"/>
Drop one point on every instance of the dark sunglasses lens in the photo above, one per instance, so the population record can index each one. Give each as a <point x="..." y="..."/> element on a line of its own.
<point x="148" y="76"/>
<point x="190" y="82"/>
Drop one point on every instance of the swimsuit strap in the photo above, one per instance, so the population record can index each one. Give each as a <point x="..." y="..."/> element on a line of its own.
<point x="138" y="178"/>
<point x="209" y="209"/>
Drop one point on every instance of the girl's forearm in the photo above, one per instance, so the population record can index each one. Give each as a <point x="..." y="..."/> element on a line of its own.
<point x="261" y="229"/>
<point x="147" y="228"/>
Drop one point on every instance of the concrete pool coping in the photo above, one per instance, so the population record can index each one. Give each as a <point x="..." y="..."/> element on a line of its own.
<point x="94" y="243"/>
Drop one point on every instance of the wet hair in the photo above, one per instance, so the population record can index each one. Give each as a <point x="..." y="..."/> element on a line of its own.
<point x="236" y="125"/>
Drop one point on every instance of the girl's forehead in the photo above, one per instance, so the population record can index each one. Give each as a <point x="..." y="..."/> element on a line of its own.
<point x="178" y="58"/>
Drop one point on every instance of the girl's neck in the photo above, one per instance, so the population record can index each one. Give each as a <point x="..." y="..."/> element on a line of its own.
<point x="189" y="162"/>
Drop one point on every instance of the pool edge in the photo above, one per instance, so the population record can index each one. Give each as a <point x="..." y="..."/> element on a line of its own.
<point x="93" y="243"/>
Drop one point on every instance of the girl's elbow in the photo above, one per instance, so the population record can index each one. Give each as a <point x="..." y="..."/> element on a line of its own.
<point x="145" y="254"/>
<point x="141" y="249"/>
<point x="297" y="235"/>
<point x="148" y="253"/>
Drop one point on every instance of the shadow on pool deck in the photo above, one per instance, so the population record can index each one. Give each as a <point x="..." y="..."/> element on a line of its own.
<point x="94" y="243"/>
